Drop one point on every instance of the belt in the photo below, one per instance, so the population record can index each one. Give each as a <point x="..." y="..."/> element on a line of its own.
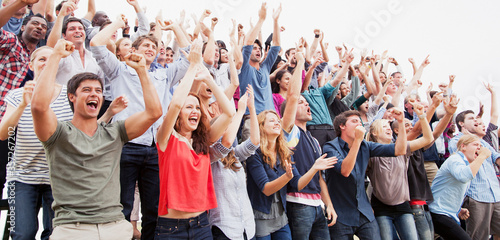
<point x="423" y="207"/>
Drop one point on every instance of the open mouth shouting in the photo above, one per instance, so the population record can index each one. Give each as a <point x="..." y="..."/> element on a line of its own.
<point x="92" y="105"/>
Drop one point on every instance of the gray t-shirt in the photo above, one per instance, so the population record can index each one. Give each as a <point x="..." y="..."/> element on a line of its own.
<point x="85" y="173"/>
<point x="389" y="178"/>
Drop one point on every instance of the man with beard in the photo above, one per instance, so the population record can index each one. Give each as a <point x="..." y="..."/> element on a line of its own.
<point x="483" y="195"/>
<point x="14" y="59"/>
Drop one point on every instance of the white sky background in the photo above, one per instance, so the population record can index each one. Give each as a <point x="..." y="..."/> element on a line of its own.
<point x="461" y="37"/>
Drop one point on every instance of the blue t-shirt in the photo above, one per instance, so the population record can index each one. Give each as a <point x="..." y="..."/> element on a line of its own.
<point x="259" y="79"/>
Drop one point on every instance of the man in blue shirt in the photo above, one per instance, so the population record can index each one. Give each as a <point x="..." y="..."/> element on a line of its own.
<point x="484" y="191"/>
<point x="255" y="73"/>
<point x="450" y="185"/>
<point x="346" y="180"/>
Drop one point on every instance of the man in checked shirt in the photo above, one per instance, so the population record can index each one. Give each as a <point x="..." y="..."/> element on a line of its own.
<point x="14" y="59"/>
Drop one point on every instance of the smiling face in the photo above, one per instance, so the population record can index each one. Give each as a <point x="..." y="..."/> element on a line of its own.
<point x="284" y="81"/>
<point x="148" y="49"/>
<point x="75" y="33"/>
<point x="272" y="125"/>
<point x="39" y="61"/>
<point x="190" y="115"/>
<point x="344" y="90"/>
<point x="224" y="58"/>
<point x="124" y="48"/>
<point x="87" y="99"/>
<point x="169" y="54"/>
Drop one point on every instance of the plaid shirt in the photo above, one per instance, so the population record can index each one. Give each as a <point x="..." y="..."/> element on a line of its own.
<point x="14" y="59"/>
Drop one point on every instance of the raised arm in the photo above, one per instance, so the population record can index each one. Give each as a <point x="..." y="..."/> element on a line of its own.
<point x="139" y="122"/>
<point x="91" y="9"/>
<point x="401" y="142"/>
<point x="209" y="54"/>
<point x="413" y="65"/>
<point x="324" y="47"/>
<point x="238" y="56"/>
<point x="9" y="10"/>
<point x="233" y="75"/>
<point x="180" y="95"/>
<point x="102" y="37"/>
<point x="13" y="114"/>
<point x="116" y="106"/>
<point x="181" y="38"/>
<point x="44" y="118"/>
<point x="276" y="27"/>
<point x="450" y="106"/>
<point x="227" y="109"/>
<point x="494" y="104"/>
<point x="427" y="137"/>
<point x="252" y="35"/>
<point x="54" y="36"/>
<point x="293" y="93"/>
<point x="418" y="75"/>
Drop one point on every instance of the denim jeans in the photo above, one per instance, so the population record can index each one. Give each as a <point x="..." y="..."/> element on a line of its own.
<point x="423" y="222"/>
<point x="219" y="235"/>
<point x="307" y="222"/>
<point x="191" y="228"/>
<point x="140" y="163"/>
<point x="403" y="224"/>
<point x="366" y="230"/>
<point x="282" y="234"/>
<point x="25" y="204"/>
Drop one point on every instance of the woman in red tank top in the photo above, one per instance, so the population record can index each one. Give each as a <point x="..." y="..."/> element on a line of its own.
<point x="183" y="141"/>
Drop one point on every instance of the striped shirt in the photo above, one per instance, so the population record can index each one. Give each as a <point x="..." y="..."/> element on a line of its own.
<point x="484" y="187"/>
<point x="29" y="164"/>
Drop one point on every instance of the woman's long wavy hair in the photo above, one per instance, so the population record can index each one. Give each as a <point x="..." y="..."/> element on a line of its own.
<point x="200" y="135"/>
<point x="282" y="149"/>
<point x="230" y="161"/>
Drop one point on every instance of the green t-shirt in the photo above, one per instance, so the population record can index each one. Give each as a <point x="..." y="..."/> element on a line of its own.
<point x="85" y="173"/>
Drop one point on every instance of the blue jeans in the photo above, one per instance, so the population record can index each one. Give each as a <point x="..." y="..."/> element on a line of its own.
<point x="307" y="221"/>
<point x="404" y="224"/>
<point x="282" y="234"/>
<point x="423" y="222"/>
<point x="140" y="163"/>
<point x="25" y="204"/>
<point x="191" y="228"/>
<point x="366" y="230"/>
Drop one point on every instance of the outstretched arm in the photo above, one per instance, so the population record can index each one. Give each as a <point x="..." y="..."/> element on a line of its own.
<point x="276" y="27"/>
<point x="44" y="118"/>
<point x="233" y="75"/>
<point x="90" y="10"/>
<point x="180" y="95"/>
<point x="252" y="35"/>
<point x="293" y="93"/>
<point x="427" y="137"/>
<point x="494" y="104"/>
<point x="102" y="37"/>
<point x="139" y="122"/>
<point x="54" y="36"/>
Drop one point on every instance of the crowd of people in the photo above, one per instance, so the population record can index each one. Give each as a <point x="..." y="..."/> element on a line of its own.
<point x="103" y="127"/>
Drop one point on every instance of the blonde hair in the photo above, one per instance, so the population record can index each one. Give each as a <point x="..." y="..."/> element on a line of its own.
<point x="466" y="140"/>
<point x="375" y="129"/>
<point x="35" y="53"/>
<point x="282" y="149"/>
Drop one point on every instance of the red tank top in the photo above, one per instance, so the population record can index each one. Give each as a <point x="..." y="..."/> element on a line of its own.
<point x="186" y="182"/>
